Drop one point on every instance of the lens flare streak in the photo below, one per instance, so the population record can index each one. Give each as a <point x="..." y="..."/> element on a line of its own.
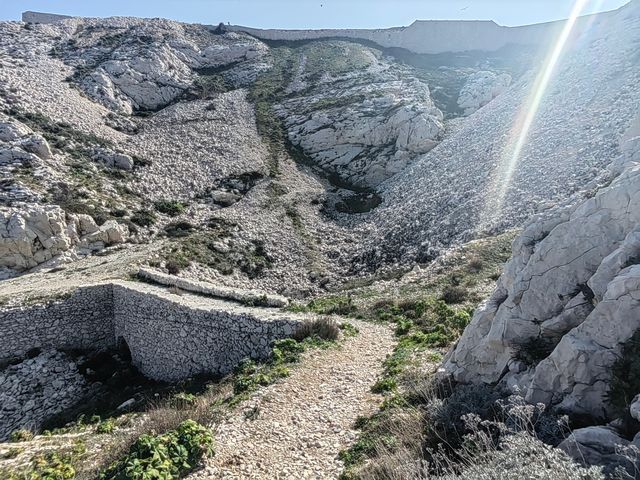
<point x="528" y="114"/>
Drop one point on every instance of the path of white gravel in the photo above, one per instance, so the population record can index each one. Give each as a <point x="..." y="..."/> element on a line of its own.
<point x="305" y="420"/>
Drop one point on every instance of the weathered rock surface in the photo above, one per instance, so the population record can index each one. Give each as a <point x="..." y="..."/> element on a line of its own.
<point x="33" y="234"/>
<point x="113" y="159"/>
<point x="364" y="124"/>
<point x="132" y="64"/>
<point x="572" y="286"/>
<point x="481" y="88"/>
<point x="599" y="446"/>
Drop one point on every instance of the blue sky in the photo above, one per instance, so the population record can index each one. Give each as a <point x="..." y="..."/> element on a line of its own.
<point x="312" y="13"/>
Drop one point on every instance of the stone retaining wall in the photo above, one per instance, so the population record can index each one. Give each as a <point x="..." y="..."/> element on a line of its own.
<point x="83" y="320"/>
<point x="170" y="336"/>
<point x="171" y="341"/>
<point x="37" y="17"/>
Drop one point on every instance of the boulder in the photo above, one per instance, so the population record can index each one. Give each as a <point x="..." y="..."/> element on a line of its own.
<point x="12" y="131"/>
<point x="38" y="145"/>
<point x="112" y="159"/>
<point x="109" y="233"/>
<point x="596" y="446"/>
<point x="33" y="234"/>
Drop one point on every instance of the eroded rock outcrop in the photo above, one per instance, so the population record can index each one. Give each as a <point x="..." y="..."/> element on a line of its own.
<point x="571" y="292"/>
<point x="132" y="64"/>
<point x="481" y="88"/>
<point x="31" y="235"/>
<point x="364" y="123"/>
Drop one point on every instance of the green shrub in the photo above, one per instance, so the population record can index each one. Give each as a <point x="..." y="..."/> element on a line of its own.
<point x="106" y="426"/>
<point x="348" y="330"/>
<point x="172" y="208"/>
<point x="52" y="466"/>
<point x="453" y="294"/>
<point x="143" y="218"/>
<point x="287" y="351"/>
<point x="174" y="265"/>
<point x="336" y="305"/>
<point x="384" y="385"/>
<point x="22" y="435"/>
<point x="179" y="229"/>
<point x="625" y="376"/>
<point x="167" y="456"/>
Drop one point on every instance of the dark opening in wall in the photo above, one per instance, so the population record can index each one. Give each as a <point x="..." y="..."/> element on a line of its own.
<point x="123" y="349"/>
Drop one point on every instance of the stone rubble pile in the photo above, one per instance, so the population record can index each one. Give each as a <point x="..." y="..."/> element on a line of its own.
<point x="37" y="389"/>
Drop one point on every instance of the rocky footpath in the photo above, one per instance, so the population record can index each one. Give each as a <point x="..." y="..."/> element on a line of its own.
<point x="296" y="427"/>
<point x="37" y="389"/>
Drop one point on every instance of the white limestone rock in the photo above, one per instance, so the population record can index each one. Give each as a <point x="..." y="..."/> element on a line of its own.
<point x="573" y="282"/>
<point x="109" y="233"/>
<point x="112" y="159"/>
<point x="32" y="235"/>
<point x="480" y="88"/>
<point x="364" y="126"/>
<point x="149" y="64"/>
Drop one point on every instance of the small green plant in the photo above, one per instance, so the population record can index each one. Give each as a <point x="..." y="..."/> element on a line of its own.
<point x="167" y="456"/>
<point x="144" y="218"/>
<point x="349" y="330"/>
<point x="106" y="426"/>
<point x="173" y="208"/>
<point x="22" y="435"/>
<point x="183" y="400"/>
<point x="384" y="385"/>
<point x="625" y="376"/>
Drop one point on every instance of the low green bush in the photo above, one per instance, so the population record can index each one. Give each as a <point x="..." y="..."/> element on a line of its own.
<point x="172" y="208"/>
<point x="22" y="435"/>
<point x="143" y="218"/>
<point x="179" y="229"/>
<point x="167" y="456"/>
<point x="106" y="426"/>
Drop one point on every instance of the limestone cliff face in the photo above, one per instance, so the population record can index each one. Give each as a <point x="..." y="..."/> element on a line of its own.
<point x="357" y="114"/>
<point x="572" y="288"/>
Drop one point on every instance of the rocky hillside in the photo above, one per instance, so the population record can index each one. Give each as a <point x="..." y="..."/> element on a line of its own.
<point x="240" y="157"/>
<point x="306" y="167"/>
<point x="467" y="185"/>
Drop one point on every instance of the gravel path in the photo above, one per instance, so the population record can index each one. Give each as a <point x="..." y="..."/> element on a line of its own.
<point x="303" y="421"/>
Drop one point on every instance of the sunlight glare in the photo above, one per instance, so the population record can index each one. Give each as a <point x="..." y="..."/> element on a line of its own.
<point x="526" y="117"/>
